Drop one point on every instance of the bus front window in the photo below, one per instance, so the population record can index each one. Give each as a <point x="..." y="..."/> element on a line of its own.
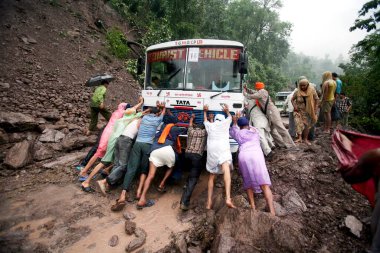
<point x="215" y="70"/>
<point x="165" y="69"/>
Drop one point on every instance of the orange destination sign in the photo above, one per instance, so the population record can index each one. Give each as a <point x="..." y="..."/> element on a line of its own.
<point x="204" y="54"/>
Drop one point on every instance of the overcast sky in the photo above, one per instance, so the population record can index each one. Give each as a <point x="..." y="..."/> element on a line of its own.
<point x="321" y="27"/>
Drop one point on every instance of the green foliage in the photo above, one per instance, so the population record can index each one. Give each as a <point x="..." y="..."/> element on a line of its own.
<point x="366" y="124"/>
<point x="116" y="43"/>
<point x="254" y="23"/>
<point x="362" y="76"/>
<point x="131" y="66"/>
<point x="369" y="23"/>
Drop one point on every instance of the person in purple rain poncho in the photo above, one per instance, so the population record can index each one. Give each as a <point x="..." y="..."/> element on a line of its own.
<point x="251" y="161"/>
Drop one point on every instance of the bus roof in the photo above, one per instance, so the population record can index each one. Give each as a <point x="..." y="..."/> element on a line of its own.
<point x="195" y="42"/>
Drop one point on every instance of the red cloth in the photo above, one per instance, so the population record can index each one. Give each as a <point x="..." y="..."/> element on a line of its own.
<point x="348" y="158"/>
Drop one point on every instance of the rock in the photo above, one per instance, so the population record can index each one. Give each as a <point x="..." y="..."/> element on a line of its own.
<point x="225" y="244"/>
<point x="293" y="202"/>
<point x="114" y="241"/>
<point x="181" y="244"/>
<point x="73" y="34"/>
<point x="76" y="139"/>
<point x="137" y="242"/>
<point x="17" y="137"/>
<point x="279" y="209"/>
<point x="196" y="249"/>
<point x="130" y="227"/>
<point x="4" y="86"/>
<point x="65" y="160"/>
<point x="240" y="201"/>
<point x="353" y="224"/>
<point x="51" y="115"/>
<point x="4" y="138"/>
<point x="42" y="152"/>
<point x="19" y="155"/>
<point x="17" y="122"/>
<point x="51" y="135"/>
<point x="129" y="215"/>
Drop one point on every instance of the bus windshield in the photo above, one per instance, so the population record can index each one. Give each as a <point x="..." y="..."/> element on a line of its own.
<point x="208" y="69"/>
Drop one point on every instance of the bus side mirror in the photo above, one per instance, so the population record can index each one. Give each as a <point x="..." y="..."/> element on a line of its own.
<point x="140" y="66"/>
<point x="243" y="63"/>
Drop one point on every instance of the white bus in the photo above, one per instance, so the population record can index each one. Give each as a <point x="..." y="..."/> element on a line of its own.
<point x="188" y="74"/>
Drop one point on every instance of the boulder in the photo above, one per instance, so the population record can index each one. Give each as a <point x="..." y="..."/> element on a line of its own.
<point x="19" y="155"/>
<point x="130" y="227"/>
<point x="76" y="140"/>
<point x="293" y="202"/>
<point x="114" y="241"/>
<point x="42" y="151"/>
<point x="65" y="160"/>
<point x="16" y="121"/>
<point x="138" y="241"/>
<point x="129" y="215"/>
<point x="51" y="135"/>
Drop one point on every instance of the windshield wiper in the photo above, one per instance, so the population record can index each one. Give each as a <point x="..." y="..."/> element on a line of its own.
<point x="170" y="77"/>
<point x="223" y="92"/>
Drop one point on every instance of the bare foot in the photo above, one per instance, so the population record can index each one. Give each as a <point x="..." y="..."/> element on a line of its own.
<point x="308" y="142"/>
<point x="209" y="205"/>
<point x="230" y="204"/>
<point x="253" y="207"/>
<point x="82" y="173"/>
<point x="85" y="184"/>
<point x="298" y="141"/>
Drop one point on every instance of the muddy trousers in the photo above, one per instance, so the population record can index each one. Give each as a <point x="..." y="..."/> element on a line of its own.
<point x="375" y="225"/>
<point x="138" y="163"/>
<point x="192" y="180"/>
<point x="281" y="136"/>
<point x="264" y="142"/>
<point x="94" y="116"/>
<point x="123" y="148"/>
<point x="292" y="126"/>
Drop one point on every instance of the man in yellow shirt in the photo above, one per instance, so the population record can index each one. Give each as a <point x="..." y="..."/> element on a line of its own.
<point x="328" y="99"/>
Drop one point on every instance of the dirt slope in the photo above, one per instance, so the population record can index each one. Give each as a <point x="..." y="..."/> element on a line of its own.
<point x="49" y="48"/>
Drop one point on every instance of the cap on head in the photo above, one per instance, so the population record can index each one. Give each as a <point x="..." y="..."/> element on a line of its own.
<point x="219" y="117"/>
<point x="242" y="121"/>
<point x="259" y="85"/>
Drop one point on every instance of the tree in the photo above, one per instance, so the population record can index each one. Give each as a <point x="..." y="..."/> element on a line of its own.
<point x="362" y="73"/>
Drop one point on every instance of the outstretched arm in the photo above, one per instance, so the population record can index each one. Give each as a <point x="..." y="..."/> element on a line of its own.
<point x="139" y="104"/>
<point x="205" y="109"/>
<point x="191" y="120"/>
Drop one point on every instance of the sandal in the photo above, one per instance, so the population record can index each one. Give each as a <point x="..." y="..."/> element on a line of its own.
<point x="118" y="206"/>
<point x="87" y="189"/>
<point x="149" y="203"/>
<point x="161" y="189"/>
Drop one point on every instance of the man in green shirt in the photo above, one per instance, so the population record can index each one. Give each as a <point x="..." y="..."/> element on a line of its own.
<point x="97" y="105"/>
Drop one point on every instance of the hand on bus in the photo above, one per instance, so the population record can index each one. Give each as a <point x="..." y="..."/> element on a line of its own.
<point x="234" y="119"/>
<point x="141" y="100"/>
<point x="225" y="108"/>
<point x="192" y="116"/>
<point x="205" y="108"/>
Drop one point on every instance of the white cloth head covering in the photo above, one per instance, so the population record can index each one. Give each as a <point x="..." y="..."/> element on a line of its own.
<point x="219" y="117"/>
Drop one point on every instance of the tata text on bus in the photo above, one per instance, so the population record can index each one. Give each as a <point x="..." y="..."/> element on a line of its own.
<point x="189" y="74"/>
